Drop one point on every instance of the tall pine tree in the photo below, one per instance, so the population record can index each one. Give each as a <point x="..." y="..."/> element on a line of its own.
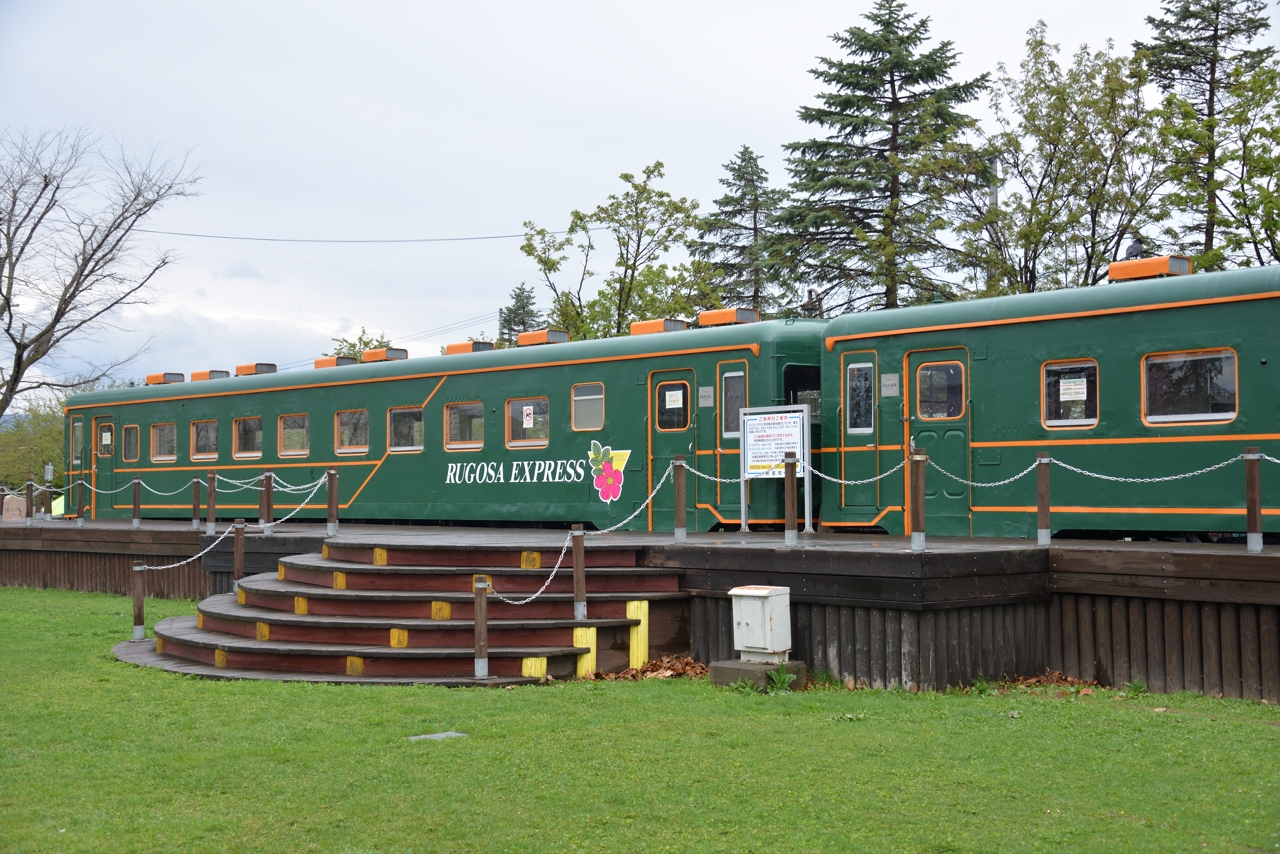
<point x="868" y="196"/>
<point x="734" y="239"/>
<point x="521" y="316"/>
<point x="1199" y="46"/>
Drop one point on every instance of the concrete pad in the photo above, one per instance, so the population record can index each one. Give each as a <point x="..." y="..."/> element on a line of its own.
<point x="757" y="672"/>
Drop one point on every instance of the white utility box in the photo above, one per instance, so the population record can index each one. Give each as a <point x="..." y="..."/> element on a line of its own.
<point x="762" y="622"/>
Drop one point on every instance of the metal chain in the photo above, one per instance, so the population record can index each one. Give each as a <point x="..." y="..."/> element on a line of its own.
<point x="1270" y="458"/>
<point x="1147" y="479"/>
<point x="854" y="482"/>
<point x="175" y="492"/>
<point x="301" y="504"/>
<point x="1007" y="480"/>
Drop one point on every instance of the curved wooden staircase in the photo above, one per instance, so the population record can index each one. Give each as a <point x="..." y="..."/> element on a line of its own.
<point x="394" y="610"/>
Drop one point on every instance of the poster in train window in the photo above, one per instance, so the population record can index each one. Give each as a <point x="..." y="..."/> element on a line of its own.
<point x="1191" y="386"/>
<point x="464" y="426"/>
<point x="353" y="431"/>
<point x="940" y="390"/>
<point x="528" y="422"/>
<point x="204" y="440"/>
<point x="673" y="406"/>
<point x="295" y="435"/>
<point x="404" y="426"/>
<point x="106" y="439"/>
<point x="247" y="438"/>
<point x="588" y="406"/>
<point x="129" y="443"/>
<point x="1071" y="394"/>
<point x="733" y="396"/>
<point x="860" y="397"/>
<point x="164" y="443"/>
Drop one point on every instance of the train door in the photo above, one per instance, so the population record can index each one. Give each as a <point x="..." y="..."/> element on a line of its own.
<point x="77" y="463"/>
<point x="670" y="432"/>
<point x="859" y="444"/>
<point x="102" y="452"/>
<point x="939" y="425"/>
<point x="732" y="395"/>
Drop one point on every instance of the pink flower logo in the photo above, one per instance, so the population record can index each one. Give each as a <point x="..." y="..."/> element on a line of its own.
<point x="609" y="483"/>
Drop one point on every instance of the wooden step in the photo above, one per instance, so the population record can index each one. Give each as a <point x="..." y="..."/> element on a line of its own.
<point x="180" y="637"/>
<point x="377" y="554"/>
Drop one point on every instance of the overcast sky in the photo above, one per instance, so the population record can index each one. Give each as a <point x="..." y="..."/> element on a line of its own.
<point x="412" y="120"/>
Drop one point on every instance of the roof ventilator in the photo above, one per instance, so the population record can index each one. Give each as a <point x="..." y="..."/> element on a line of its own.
<point x="335" y="361"/>
<point x="1149" y="268"/>
<point x="165" y="378"/>
<point x="384" y="354"/>
<point x="201" y="376"/>
<point x="662" y="324"/>
<point x="254" y="368"/>
<point x="726" y="316"/>
<point x="542" y="336"/>
<point x="468" y="347"/>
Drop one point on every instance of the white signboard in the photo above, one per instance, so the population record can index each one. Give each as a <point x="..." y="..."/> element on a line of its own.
<point x="706" y="396"/>
<point x="889" y="385"/>
<point x="1073" y="388"/>
<point x="766" y="440"/>
<point x="675" y="399"/>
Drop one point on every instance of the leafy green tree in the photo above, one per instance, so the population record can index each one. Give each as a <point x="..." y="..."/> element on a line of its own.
<point x="1252" y="204"/>
<point x="1198" y="47"/>
<point x="867" y="215"/>
<point x="521" y="315"/>
<point x="734" y="239"/>
<point x="551" y="253"/>
<point x="363" y="341"/>
<point x="1072" y="171"/>
<point x="30" y="438"/>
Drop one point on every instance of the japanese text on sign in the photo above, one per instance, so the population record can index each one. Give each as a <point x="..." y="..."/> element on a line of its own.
<point x="767" y="439"/>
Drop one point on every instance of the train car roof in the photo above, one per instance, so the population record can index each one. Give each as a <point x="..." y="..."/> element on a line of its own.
<point x="622" y="348"/>
<point x="1115" y="298"/>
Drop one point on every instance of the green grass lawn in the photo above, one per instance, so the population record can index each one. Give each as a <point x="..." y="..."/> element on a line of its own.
<point x="102" y="756"/>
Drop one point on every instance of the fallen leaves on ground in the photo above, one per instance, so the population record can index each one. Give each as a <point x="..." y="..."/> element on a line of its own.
<point x="1049" y="679"/>
<point x="667" y="667"/>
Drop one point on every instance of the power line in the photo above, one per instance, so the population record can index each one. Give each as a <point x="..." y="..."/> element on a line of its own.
<point x="327" y="240"/>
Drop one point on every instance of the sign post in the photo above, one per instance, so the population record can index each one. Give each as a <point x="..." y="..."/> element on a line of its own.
<point x="769" y="433"/>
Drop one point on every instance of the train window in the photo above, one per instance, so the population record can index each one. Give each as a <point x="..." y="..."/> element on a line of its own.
<point x="528" y="422"/>
<point x="204" y="440"/>
<point x="1071" y="394"/>
<point x="164" y="443"/>
<point x="733" y="398"/>
<point x="247" y="438"/>
<point x="464" y="426"/>
<point x="860" y="397"/>
<point x="106" y="439"/>
<point x="1192" y="386"/>
<point x="404" y="429"/>
<point x="129" y="440"/>
<point x="940" y="390"/>
<point x="803" y="384"/>
<point x="77" y="441"/>
<point x="588" y="406"/>
<point x="352" y="431"/>
<point x="294" y="435"/>
<point x="673" y="406"/>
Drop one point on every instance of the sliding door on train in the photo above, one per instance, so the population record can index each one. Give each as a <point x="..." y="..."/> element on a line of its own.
<point x="671" y="432"/>
<point x="937" y="397"/>
<point x="101" y="458"/>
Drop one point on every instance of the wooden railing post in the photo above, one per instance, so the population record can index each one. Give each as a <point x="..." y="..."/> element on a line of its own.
<point x="268" y="501"/>
<point x="480" y="584"/>
<point x="139" y="618"/>
<point x="31" y="501"/>
<point x="137" y="502"/>
<point x="789" y="494"/>
<point x="579" y="573"/>
<point x="195" y="503"/>
<point x="680" y="523"/>
<point x="211" y="514"/>
<point x="237" y="555"/>
<point x="1253" y="499"/>
<point x="919" y="462"/>
<point x="332" y="528"/>
<point x="1042" y="499"/>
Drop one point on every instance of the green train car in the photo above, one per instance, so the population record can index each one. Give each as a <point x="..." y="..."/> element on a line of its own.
<point x="1133" y="379"/>
<point x="551" y="434"/>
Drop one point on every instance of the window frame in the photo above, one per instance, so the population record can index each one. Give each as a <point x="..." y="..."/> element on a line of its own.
<point x="406" y="449"/>
<point x="525" y="444"/>
<point x="204" y="456"/>
<point x="76" y="457"/>
<point x="1081" y="362"/>
<point x="573" y="407"/>
<point x="151" y="449"/>
<point x="280" y="450"/>
<point x="875" y="395"/>
<point x="964" y="390"/>
<point x="124" y="430"/>
<point x="349" y="450"/>
<point x="236" y="453"/>
<point x="461" y="447"/>
<point x="688" y="407"/>
<point x="1181" y="419"/>
<point x="97" y="445"/>
<point x="724" y="434"/>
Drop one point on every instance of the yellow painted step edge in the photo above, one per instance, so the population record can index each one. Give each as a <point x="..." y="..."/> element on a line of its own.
<point x="441" y="610"/>
<point x="638" y="649"/>
<point x="399" y="638"/>
<point x="586" y="636"/>
<point x="355" y="665"/>
<point x="534" y="668"/>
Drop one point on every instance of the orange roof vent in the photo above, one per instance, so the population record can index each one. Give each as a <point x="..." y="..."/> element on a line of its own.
<point x="542" y="336"/>
<point x="201" y="376"/>
<point x="1149" y="268"/>
<point x="662" y="324"/>
<point x="468" y="347"/>
<point x="335" y="361"/>
<point x="165" y="378"/>
<point x="253" y="368"/>
<point x="384" y="354"/>
<point x="725" y="316"/>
